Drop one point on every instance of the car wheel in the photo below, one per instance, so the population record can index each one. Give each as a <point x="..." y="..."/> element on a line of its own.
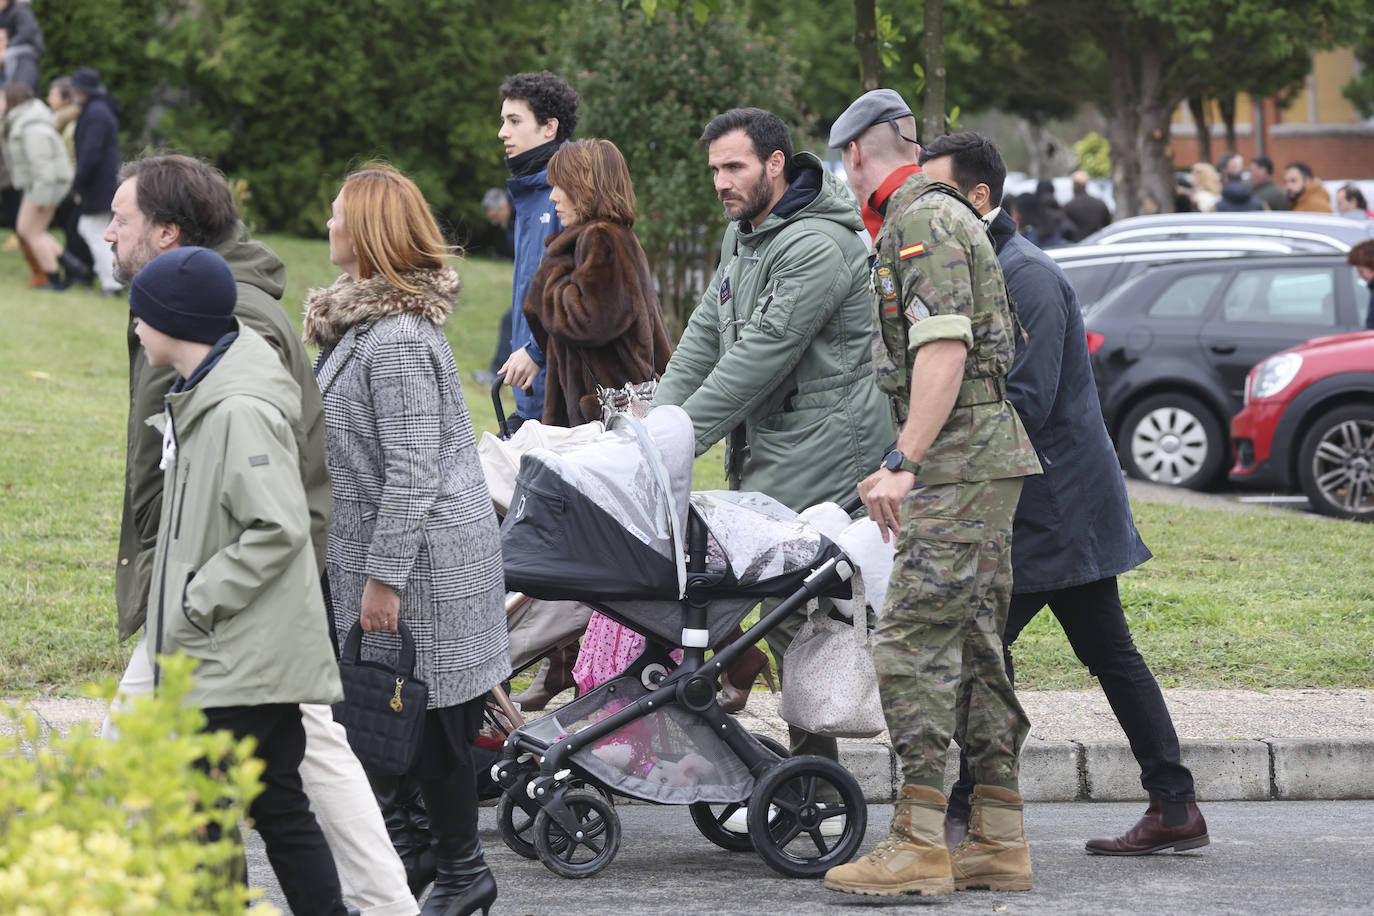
<point x="1336" y="463"/>
<point x="1172" y="439"/>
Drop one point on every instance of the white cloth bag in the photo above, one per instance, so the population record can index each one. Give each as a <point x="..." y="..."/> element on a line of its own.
<point x="830" y="686"/>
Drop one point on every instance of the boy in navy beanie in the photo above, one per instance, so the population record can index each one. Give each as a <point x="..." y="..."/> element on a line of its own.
<point x="234" y="580"/>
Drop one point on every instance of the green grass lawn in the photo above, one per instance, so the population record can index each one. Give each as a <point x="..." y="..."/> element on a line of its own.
<point x="1254" y="600"/>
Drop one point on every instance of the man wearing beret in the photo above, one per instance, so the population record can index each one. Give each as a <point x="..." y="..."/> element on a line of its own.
<point x="947" y="492"/>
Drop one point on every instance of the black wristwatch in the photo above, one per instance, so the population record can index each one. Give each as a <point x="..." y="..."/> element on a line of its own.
<point x="896" y="461"/>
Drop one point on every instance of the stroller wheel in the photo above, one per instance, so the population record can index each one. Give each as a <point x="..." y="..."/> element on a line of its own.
<point x="793" y="825"/>
<point x="713" y="821"/>
<point x="516" y="820"/>
<point x="517" y="827"/>
<point x="589" y="852"/>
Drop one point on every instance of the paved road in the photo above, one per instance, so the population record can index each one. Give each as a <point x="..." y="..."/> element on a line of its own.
<point x="1270" y="857"/>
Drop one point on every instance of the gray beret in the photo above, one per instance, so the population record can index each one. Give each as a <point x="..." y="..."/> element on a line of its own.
<point x="868" y="109"/>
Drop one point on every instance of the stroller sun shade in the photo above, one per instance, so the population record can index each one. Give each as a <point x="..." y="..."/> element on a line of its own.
<point x="602" y="519"/>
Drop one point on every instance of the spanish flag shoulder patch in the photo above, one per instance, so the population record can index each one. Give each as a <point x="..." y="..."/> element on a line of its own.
<point x="911" y="251"/>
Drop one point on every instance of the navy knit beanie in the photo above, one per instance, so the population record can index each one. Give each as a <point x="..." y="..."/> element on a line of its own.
<point x="186" y="293"/>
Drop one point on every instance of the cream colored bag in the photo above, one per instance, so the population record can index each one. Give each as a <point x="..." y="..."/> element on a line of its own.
<point x="829" y="684"/>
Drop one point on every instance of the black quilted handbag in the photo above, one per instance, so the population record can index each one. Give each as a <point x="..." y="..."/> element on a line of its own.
<point x="383" y="708"/>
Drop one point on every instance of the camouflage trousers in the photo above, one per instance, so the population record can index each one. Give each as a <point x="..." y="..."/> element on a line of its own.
<point x="938" y="644"/>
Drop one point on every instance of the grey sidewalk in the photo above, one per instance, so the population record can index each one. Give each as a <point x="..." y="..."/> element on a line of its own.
<point x="1242" y="745"/>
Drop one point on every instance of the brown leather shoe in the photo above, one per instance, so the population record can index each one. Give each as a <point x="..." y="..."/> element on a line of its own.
<point x="956" y="828"/>
<point x="1150" y="835"/>
<point x="552" y="679"/>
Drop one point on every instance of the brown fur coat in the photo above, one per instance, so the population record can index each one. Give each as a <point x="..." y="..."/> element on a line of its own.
<point x="593" y="309"/>
<point x="329" y="313"/>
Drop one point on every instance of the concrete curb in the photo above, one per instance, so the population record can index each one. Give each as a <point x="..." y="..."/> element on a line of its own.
<point x="1240" y="769"/>
<point x="1274" y="769"/>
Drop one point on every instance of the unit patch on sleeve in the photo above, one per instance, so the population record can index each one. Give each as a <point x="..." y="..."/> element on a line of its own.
<point x="916" y="311"/>
<point x="911" y="251"/>
<point x="885" y="284"/>
<point x="725" y="291"/>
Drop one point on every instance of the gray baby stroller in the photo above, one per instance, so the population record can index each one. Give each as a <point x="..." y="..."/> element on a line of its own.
<point x="611" y="522"/>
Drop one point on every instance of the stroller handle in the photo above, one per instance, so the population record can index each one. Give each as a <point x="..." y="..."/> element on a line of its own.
<point x="854" y="505"/>
<point x="500" y="409"/>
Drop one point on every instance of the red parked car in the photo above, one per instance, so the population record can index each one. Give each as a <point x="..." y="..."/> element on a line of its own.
<point x="1308" y="424"/>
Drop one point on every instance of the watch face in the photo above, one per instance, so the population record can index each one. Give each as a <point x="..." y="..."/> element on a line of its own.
<point x="893" y="460"/>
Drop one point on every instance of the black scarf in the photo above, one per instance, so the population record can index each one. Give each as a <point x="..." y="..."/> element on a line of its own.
<point x="532" y="160"/>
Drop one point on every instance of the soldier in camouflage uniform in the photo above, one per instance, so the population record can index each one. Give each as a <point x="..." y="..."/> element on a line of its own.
<point x="948" y="493"/>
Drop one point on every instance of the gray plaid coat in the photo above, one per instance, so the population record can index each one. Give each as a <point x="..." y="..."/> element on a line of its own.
<point x="411" y="508"/>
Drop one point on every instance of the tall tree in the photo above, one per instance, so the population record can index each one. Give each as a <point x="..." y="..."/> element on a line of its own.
<point x="1138" y="60"/>
<point x="933" y="104"/>
<point x="1360" y="89"/>
<point x="866" y="41"/>
<point x="650" y="85"/>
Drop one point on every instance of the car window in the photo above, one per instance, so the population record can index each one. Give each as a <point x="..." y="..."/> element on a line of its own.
<point x="1186" y="297"/>
<point x="1089" y="280"/>
<point x="1290" y="295"/>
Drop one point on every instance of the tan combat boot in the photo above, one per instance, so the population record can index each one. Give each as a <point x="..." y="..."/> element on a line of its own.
<point x="994" y="854"/>
<point x="912" y="860"/>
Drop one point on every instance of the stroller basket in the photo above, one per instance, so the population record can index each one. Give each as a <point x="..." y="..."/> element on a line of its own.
<point x="670" y="756"/>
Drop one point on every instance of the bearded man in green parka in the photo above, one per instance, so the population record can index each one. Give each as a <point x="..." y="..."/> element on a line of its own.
<point x="777" y="358"/>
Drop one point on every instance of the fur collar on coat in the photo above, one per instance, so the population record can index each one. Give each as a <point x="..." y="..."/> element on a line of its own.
<point x="329" y="313"/>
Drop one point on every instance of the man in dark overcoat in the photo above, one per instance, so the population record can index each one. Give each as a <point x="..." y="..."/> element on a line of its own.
<point x="1073" y="532"/>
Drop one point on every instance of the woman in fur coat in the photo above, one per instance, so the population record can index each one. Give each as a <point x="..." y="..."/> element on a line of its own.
<point x="592" y="305"/>
<point x="413" y="535"/>
<point x="593" y="309"/>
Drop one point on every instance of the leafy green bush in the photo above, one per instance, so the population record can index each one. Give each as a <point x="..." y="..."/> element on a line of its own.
<point x="1094" y="154"/>
<point x="93" y="826"/>
<point x="650" y="86"/>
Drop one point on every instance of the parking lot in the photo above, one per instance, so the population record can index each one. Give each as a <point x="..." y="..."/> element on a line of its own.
<point x="1227" y="497"/>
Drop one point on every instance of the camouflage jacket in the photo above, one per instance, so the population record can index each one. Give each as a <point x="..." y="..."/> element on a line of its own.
<point x="935" y="276"/>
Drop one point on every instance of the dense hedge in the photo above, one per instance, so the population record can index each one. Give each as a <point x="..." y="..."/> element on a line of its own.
<point x="287" y="95"/>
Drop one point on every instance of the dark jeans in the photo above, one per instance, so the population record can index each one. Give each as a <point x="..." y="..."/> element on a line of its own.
<point x="281" y="814"/>
<point x="1095" y="624"/>
<point x="66" y="216"/>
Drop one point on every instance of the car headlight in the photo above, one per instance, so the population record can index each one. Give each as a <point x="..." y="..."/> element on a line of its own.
<point x="1273" y="375"/>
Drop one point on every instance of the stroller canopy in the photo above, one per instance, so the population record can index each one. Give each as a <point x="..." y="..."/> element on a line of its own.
<point x="602" y="519"/>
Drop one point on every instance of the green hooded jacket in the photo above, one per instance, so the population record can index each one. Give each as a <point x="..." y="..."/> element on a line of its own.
<point x="261" y="279"/>
<point x="778" y="354"/>
<point x="234" y="581"/>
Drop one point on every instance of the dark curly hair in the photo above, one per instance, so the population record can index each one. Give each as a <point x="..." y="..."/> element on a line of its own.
<point x="548" y="95"/>
<point x="1361" y="255"/>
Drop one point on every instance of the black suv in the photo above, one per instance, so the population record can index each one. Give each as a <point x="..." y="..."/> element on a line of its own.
<point x="1171" y="349"/>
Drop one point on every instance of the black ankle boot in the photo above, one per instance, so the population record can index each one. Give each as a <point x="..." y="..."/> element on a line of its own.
<point x="77" y="270"/>
<point x="55" y="282"/>
<point x="464" y="884"/>
<point x="398" y="797"/>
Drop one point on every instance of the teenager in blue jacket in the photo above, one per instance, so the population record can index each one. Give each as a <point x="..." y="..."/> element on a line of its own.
<point x="538" y="115"/>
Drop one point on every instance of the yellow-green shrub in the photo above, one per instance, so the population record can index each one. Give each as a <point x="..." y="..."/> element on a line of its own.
<point x="92" y="826"/>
